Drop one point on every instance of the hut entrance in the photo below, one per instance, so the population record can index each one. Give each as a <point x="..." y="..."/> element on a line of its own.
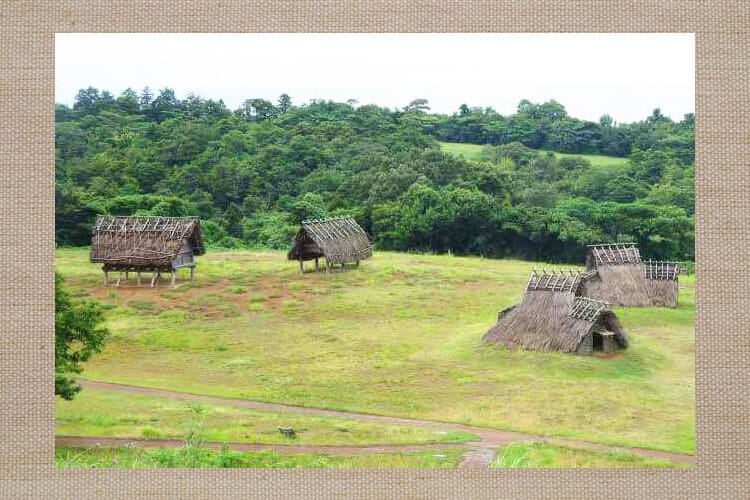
<point x="604" y="341"/>
<point x="597" y="342"/>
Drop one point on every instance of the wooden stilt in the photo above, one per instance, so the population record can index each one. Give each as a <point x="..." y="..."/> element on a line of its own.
<point x="119" y="277"/>
<point x="174" y="278"/>
<point x="127" y="275"/>
<point x="316" y="265"/>
<point x="138" y="278"/>
<point x="301" y="266"/>
<point x="153" y="279"/>
<point x="192" y="274"/>
<point x="357" y="264"/>
<point x="106" y="277"/>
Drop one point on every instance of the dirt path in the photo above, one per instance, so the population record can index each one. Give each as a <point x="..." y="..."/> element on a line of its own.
<point x="480" y="453"/>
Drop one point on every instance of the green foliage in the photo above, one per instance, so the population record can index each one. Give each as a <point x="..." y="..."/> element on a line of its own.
<point x="79" y="334"/>
<point x="253" y="174"/>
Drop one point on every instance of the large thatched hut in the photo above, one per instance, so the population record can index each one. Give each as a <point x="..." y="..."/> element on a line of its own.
<point x="552" y="317"/>
<point x="146" y="244"/>
<point x="338" y="240"/>
<point x="624" y="279"/>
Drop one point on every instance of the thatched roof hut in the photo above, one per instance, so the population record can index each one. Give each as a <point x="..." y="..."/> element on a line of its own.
<point x="339" y="240"/>
<point x="146" y="244"/>
<point x="554" y="318"/>
<point x="624" y="279"/>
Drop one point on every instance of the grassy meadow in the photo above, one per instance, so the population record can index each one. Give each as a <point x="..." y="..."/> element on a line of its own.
<point x="196" y="457"/>
<point x="555" y="456"/>
<point x="398" y="336"/>
<point x="474" y="152"/>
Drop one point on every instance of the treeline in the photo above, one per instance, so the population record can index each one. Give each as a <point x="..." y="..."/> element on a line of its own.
<point x="548" y="126"/>
<point x="254" y="173"/>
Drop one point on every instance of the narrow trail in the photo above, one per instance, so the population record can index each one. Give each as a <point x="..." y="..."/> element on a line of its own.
<point x="480" y="453"/>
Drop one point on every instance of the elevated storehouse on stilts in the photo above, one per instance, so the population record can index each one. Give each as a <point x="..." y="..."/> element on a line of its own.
<point x="157" y="245"/>
<point x="339" y="240"/>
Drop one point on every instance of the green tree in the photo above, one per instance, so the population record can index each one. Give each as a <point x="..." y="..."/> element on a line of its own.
<point x="79" y="334"/>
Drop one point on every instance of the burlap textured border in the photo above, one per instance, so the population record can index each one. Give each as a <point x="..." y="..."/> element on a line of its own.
<point x="26" y="243"/>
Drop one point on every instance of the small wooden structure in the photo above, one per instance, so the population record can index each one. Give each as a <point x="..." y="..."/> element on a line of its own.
<point x="553" y="316"/>
<point x="339" y="240"/>
<point x="146" y="244"/>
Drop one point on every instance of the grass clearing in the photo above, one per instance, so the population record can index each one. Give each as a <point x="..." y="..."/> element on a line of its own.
<point x="195" y="457"/>
<point x="113" y="414"/>
<point x="474" y="152"/>
<point x="398" y="336"/>
<point x="550" y="455"/>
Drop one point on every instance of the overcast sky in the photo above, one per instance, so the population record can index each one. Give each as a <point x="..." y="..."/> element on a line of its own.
<point x="624" y="75"/>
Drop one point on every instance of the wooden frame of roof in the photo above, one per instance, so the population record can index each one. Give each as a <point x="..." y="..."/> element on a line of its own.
<point x="614" y="254"/>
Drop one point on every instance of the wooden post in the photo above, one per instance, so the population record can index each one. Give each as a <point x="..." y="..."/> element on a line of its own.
<point x="154" y="278"/>
<point x="192" y="274"/>
<point x="316" y="265"/>
<point x="301" y="266"/>
<point x="119" y="277"/>
<point x="127" y="275"/>
<point x="138" y="278"/>
<point x="174" y="278"/>
<point x="106" y="277"/>
<point x="357" y="264"/>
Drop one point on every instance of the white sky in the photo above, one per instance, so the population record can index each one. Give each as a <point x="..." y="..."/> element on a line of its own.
<point x="624" y="75"/>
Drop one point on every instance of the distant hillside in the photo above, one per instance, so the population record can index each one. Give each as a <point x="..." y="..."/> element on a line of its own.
<point x="254" y="173"/>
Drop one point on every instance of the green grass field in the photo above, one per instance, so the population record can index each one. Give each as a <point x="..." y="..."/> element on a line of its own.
<point x="113" y="414"/>
<point x="398" y="336"/>
<point x="474" y="152"/>
<point x="553" y="456"/>
<point x="191" y="457"/>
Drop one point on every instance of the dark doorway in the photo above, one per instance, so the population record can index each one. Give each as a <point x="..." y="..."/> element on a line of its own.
<point x="597" y="342"/>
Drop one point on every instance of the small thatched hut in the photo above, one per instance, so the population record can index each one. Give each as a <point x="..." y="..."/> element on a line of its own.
<point x="339" y="240"/>
<point x="624" y="279"/>
<point x="146" y="244"/>
<point x="551" y="317"/>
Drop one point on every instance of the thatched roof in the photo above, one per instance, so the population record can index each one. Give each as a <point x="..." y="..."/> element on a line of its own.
<point x="612" y="254"/>
<point x="150" y="242"/>
<point x="622" y="285"/>
<point x="339" y="240"/>
<point x="553" y="321"/>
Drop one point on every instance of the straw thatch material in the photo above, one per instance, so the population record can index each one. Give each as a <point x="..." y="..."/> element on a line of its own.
<point x="633" y="284"/>
<point x="146" y="243"/>
<point x="553" y="321"/>
<point x="339" y="240"/>
<point x="622" y="285"/>
<point x="662" y="281"/>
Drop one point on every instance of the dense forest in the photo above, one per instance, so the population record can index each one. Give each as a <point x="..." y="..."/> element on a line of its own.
<point x="254" y="173"/>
